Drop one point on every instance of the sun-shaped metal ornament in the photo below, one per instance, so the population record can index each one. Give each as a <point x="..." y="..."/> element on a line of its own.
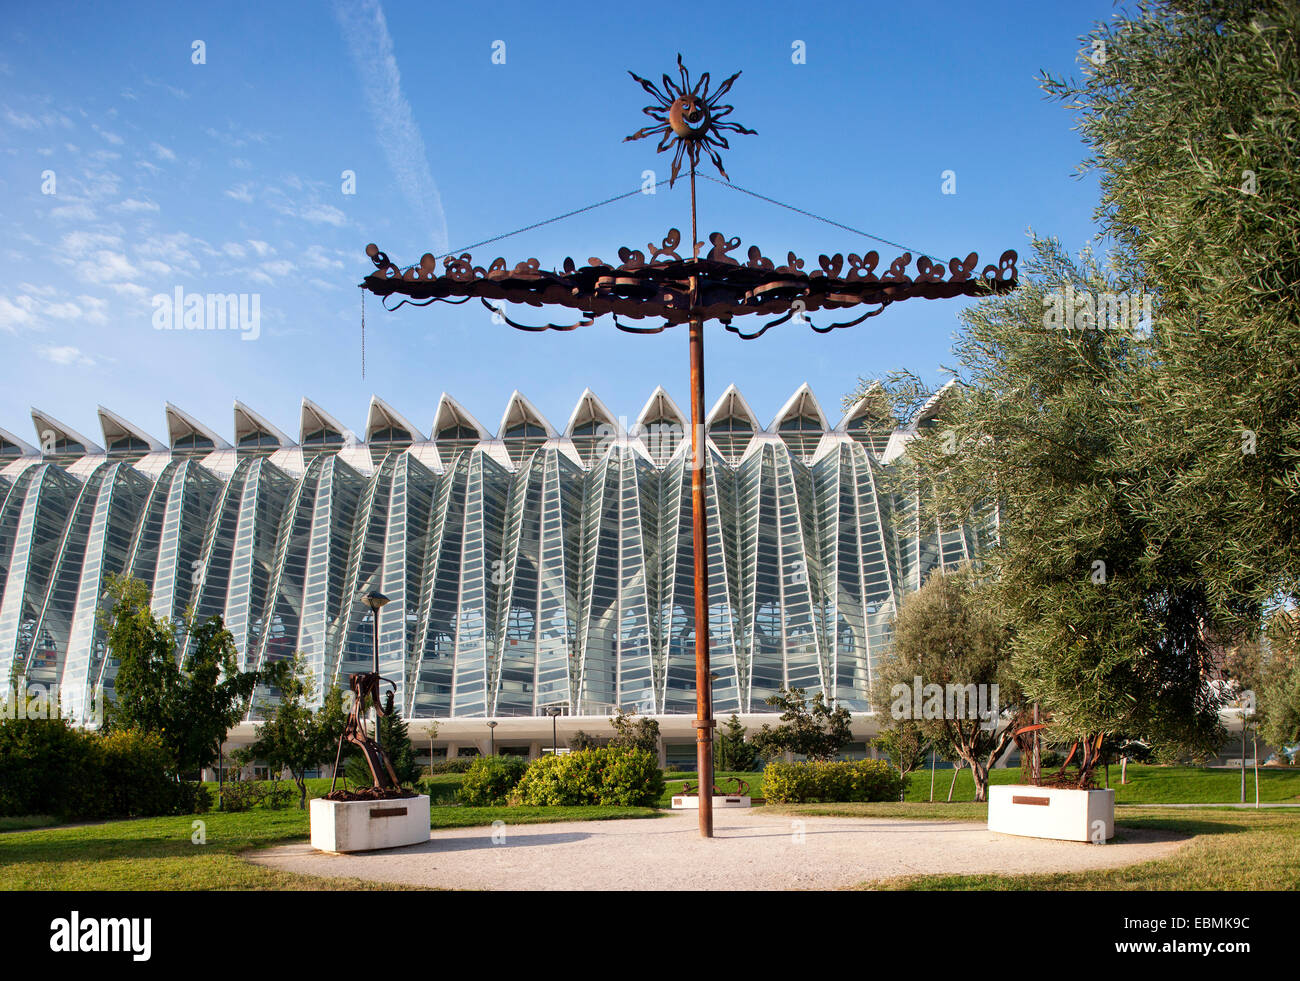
<point x="689" y="116"/>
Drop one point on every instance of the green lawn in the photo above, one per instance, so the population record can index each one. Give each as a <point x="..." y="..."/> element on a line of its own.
<point x="441" y="788"/>
<point x="1232" y="849"/>
<point x="27" y="821"/>
<point x="675" y="780"/>
<point x="1146" y="785"/>
<point x="159" y="853"/>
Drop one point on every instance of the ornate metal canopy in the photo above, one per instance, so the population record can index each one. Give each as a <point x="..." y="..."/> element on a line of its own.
<point x="660" y="286"/>
<point x="660" y="283"/>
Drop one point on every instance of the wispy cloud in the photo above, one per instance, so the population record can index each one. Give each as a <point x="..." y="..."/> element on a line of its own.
<point x="371" y="46"/>
<point x="134" y="205"/>
<point x="24" y="120"/>
<point x="64" y="354"/>
<point x="109" y="135"/>
<point x="320" y="214"/>
<point x="240" y="192"/>
<point x="16" y="313"/>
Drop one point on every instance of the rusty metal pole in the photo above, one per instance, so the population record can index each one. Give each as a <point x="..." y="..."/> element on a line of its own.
<point x="379" y="736"/>
<point x="699" y="457"/>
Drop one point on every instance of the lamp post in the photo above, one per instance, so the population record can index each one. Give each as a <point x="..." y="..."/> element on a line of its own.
<point x="492" y="738"/>
<point x="376" y="601"/>
<point x="554" y="713"/>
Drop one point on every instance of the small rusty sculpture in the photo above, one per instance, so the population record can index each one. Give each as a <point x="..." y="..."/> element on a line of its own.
<point x="366" y="686"/>
<point x="365" y="690"/>
<point x="742" y="788"/>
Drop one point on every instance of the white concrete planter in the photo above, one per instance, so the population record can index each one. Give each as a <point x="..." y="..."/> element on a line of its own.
<point x="691" y="802"/>
<point x="1052" y="812"/>
<point x="367" y="825"/>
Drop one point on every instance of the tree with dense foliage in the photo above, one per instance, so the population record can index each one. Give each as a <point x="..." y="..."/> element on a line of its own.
<point x="815" y="732"/>
<point x="635" y="733"/>
<point x="1277" y="681"/>
<point x="190" y="702"/>
<point x="396" y="742"/>
<point x="734" y="752"/>
<point x="1113" y="631"/>
<point x="1147" y="465"/>
<point x="905" y="745"/>
<point x="948" y="676"/>
<point x="296" y="737"/>
<point x="1191" y="112"/>
<point x="583" y="740"/>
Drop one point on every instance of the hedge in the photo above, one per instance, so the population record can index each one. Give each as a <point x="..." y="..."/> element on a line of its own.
<point x="457" y="764"/>
<point x="48" y="767"/>
<point x="834" y="782"/>
<point x="490" y="780"/>
<point x="619" y="776"/>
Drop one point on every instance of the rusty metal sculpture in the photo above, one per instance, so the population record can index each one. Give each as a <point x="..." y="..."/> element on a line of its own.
<point x="661" y="286"/>
<point x="365" y="691"/>
<point x="661" y="283"/>
<point x="1027" y="734"/>
<point x="742" y="788"/>
<point x="689" y="117"/>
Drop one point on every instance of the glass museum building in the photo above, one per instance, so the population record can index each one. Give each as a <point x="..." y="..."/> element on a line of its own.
<point x="539" y="579"/>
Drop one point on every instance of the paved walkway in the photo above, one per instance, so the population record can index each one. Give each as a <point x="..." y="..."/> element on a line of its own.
<point x="752" y="850"/>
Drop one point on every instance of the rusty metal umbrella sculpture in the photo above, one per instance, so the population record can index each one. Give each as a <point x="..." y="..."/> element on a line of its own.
<point x="660" y="284"/>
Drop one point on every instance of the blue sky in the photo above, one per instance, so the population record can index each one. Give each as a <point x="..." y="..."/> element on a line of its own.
<point x="226" y="177"/>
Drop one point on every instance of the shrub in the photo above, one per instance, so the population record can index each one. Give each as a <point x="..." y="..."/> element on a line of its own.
<point x="631" y="778"/>
<point x="491" y="779"/>
<point x="244" y="795"/>
<point x="240" y="795"/>
<point x="48" y="767"/>
<point x="543" y="784"/>
<point x="137" y="784"/>
<point x="608" y="775"/>
<point x="277" y="795"/>
<point x="458" y="764"/>
<point x="357" y="772"/>
<point x="439" y="791"/>
<point x="584" y="740"/>
<point x="193" y="798"/>
<point x="813" y="782"/>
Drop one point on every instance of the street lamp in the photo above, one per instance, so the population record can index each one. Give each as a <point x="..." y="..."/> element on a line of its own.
<point x="713" y="677"/>
<point x="376" y="601"/>
<point x="492" y="736"/>
<point x="554" y="713"/>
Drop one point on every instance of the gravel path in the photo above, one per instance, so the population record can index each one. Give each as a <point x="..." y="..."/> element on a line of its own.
<point x="754" y="849"/>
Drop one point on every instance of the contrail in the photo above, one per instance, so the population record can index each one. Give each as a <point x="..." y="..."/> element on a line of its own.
<point x="366" y="32"/>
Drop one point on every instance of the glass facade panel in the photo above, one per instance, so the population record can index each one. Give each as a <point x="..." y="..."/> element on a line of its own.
<point x="532" y="571"/>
